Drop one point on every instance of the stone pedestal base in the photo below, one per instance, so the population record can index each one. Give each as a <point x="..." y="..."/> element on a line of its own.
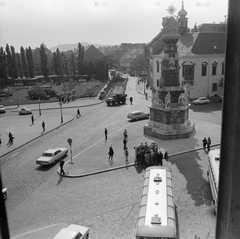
<point x="169" y="123"/>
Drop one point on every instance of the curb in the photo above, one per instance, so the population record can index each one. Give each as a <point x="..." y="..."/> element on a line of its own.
<point x="126" y="166"/>
<point x="55" y="108"/>
<point x="36" y="137"/>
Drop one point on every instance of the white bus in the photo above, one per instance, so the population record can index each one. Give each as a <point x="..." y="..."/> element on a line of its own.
<point x="213" y="174"/>
<point x="157" y="209"/>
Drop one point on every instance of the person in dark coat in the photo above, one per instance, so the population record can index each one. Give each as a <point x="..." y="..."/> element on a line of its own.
<point x="110" y="152"/>
<point x="10" y="141"/>
<point x="131" y="100"/>
<point x="32" y="118"/>
<point x="160" y="158"/>
<point x="204" y="142"/>
<point x="43" y="126"/>
<point x="61" y="167"/>
<point x="209" y="143"/>
<point x="78" y="113"/>
<point x="166" y="156"/>
<point x="105" y="132"/>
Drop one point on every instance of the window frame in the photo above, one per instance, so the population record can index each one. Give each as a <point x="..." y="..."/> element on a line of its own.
<point x="214" y="68"/>
<point x="204" y="66"/>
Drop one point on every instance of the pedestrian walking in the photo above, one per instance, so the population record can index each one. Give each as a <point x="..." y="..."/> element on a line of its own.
<point x="78" y="113"/>
<point x="10" y="141"/>
<point x="43" y="125"/>
<point x="110" y="152"/>
<point x="126" y="153"/>
<point x="61" y="167"/>
<point x="209" y="143"/>
<point x="204" y="142"/>
<point x="124" y="143"/>
<point x="106" y="133"/>
<point x="131" y="100"/>
<point x="0" y="140"/>
<point x="32" y="118"/>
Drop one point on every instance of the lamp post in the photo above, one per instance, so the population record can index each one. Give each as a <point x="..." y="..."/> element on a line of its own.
<point x="61" y="112"/>
<point x="17" y="100"/>
<point x="39" y="107"/>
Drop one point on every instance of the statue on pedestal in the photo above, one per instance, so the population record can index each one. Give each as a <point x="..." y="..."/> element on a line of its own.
<point x="167" y="100"/>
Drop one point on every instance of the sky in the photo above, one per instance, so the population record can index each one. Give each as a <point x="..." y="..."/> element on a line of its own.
<point x="109" y="22"/>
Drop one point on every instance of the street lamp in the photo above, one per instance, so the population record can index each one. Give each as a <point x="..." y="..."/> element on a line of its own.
<point x="61" y="112"/>
<point x="39" y="106"/>
<point x="17" y="100"/>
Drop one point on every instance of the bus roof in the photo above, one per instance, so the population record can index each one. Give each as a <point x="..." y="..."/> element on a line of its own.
<point x="157" y="210"/>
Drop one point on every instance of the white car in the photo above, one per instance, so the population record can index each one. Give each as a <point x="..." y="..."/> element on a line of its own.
<point x="51" y="156"/>
<point x="73" y="232"/>
<point x="2" y="109"/>
<point x="57" y="231"/>
<point x="25" y="111"/>
<point x="201" y="100"/>
<point x="137" y="115"/>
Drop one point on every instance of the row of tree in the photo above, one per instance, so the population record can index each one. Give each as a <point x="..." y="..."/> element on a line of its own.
<point x="18" y="65"/>
<point x="14" y="64"/>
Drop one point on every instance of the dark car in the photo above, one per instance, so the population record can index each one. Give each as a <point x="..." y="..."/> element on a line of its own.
<point x="218" y="99"/>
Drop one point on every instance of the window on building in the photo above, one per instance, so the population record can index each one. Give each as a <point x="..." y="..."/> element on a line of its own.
<point x="188" y="72"/>
<point x="223" y="68"/>
<point x="157" y="66"/>
<point x="214" y="87"/>
<point x="158" y="82"/>
<point x="214" y="68"/>
<point x="204" y="68"/>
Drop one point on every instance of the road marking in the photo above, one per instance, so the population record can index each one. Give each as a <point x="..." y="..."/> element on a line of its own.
<point x="13" y="155"/>
<point x="99" y="141"/>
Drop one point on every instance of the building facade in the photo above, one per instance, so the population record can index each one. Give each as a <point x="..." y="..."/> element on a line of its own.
<point x="201" y="57"/>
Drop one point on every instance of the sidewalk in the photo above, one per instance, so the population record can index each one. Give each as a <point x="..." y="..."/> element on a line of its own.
<point x="18" y="124"/>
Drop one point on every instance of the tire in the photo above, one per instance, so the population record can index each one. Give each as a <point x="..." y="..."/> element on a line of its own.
<point x="137" y="119"/>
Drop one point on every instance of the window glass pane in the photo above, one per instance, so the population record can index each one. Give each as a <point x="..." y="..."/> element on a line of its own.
<point x="204" y="70"/>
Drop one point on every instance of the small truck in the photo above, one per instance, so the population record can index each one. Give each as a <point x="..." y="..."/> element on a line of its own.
<point x="116" y="99"/>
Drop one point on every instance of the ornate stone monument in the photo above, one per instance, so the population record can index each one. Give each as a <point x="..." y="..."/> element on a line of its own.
<point x="169" y="110"/>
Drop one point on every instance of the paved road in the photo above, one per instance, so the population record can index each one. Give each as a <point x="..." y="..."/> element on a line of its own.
<point x="108" y="203"/>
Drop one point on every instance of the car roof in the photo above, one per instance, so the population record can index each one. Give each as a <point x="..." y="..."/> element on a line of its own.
<point x="135" y="112"/>
<point x="51" y="150"/>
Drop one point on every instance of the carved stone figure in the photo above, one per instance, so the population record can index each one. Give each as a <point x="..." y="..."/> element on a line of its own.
<point x="167" y="100"/>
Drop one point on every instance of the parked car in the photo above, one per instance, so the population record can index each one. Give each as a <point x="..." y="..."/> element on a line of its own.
<point x="4" y="192"/>
<point x="217" y="99"/>
<point x="2" y="109"/>
<point x="137" y="115"/>
<point x="25" y="111"/>
<point x="51" y="156"/>
<point x="201" y="100"/>
<point x="57" y="231"/>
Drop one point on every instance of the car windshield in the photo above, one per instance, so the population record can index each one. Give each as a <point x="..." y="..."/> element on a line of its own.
<point x="47" y="154"/>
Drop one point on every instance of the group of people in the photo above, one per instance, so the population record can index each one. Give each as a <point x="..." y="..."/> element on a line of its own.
<point x="207" y="143"/>
<point x="150" y="155"/>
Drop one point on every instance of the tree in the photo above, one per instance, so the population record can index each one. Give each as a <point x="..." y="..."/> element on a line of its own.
<point x="102" y="65"/>
<point x="3" y="67"/>
<point x="30" y="62"/>
<point x="19" y="65"/>
<point x="44" y="61"/>
<point x="73" y="65"/>
<point x="14" y="62"/>
<point x="80" y="57"/>
<point x="9" y="62"/>
<point x="24" y="62"/>
<point x="55" y="64"/>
